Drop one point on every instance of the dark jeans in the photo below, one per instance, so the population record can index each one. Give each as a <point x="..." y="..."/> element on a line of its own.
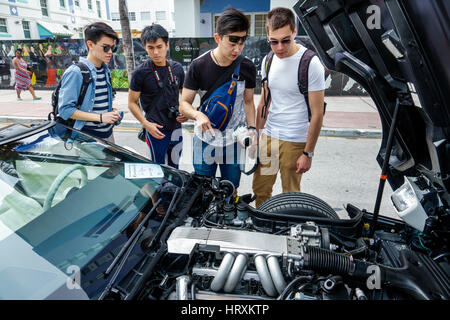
<point x="171" y="146"/>
<point x="207" y="157"/>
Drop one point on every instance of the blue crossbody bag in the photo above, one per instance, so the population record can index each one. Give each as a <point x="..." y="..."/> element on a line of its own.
<point x="218" y="103"/>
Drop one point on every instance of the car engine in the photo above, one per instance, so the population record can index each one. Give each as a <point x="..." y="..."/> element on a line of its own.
<point x="243" y="262"/>
<point x="211" y="245"/>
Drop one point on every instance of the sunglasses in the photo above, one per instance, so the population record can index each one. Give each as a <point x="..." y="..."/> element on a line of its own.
<point x="107" y="47"/>
<point x="235" y="39"/>
<point x="284" y="42"/>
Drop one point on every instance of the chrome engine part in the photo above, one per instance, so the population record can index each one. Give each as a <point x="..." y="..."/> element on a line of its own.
<point x="237" y="249"/>
<point x="183" y="240"/>
<point x="264" y="275"/>
<point x="308" y="233"/>
<point x="183" y="287"/>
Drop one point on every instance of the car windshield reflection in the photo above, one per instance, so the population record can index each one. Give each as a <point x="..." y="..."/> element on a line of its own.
<point x="68" y="200"/>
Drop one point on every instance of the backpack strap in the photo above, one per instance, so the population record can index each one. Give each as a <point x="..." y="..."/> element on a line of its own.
<point x="230" y="71"/>
<point x="87" y="79"/>
<point x="55" y="98"/>
<point x="109" y="78"/>
<point x="303" y="69"/>
<point x="268" y="63"/>
<point x="234" y="78"/>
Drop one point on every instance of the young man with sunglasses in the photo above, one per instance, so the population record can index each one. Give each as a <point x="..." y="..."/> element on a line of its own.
<point x="95" y="115"/>
<point x="288" y="137"/>
<point x="156" y="83"/>
<point x="211" y="146"/>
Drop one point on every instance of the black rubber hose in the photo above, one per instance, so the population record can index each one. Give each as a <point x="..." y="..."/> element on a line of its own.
<point x="291" y="285"/>
<point x="326" y="261"/>
<point x="261" y="215"/>
<point x="408" y="279"/>
<point x="361" y="248"/>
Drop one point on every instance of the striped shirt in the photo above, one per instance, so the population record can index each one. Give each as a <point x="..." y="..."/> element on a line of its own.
<point x="101" y="104"/>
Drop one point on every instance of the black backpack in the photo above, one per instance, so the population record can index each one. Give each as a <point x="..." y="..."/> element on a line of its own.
<point x="87" y="79"/>
<point x="302" y="83"/>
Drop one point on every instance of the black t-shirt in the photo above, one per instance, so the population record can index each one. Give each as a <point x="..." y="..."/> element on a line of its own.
<point x="204" y="72"/>
<point x="155" y="104"/>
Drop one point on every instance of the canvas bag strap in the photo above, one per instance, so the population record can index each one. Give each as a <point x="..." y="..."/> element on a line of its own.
<point x="223" y="79"/>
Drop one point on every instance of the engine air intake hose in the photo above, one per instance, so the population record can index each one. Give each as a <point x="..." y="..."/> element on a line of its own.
<point x="326" y="261"/>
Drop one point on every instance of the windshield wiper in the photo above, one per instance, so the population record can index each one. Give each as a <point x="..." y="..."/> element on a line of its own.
<point x="124" y="253"/>
<point x="166" y="217"/>
<point x="155" y="257"/>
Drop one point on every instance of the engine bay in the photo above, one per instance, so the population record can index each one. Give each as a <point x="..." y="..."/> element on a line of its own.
<point x="212" y="245"/>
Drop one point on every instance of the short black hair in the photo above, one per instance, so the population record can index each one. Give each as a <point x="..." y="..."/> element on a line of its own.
<point x="97" y="30"/>
<point x="153" y="33"/>
<point x="232" y="20"/>
<point x="20" y="50"/>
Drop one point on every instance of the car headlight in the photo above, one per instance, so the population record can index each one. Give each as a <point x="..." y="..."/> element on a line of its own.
<point x="404" y="198"/>
<point x="407" y="205"/>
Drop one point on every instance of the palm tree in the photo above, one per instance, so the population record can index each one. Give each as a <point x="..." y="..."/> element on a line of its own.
<point x="126" y="37"/>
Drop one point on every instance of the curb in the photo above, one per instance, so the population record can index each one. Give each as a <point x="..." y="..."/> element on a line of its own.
<point x="134" y="124"/>
<point x="351" y="133"/>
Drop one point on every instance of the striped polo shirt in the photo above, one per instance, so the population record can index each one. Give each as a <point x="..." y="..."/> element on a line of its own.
<point x="101" y="104"/>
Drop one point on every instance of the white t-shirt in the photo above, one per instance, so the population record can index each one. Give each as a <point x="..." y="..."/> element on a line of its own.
<point x="288" y="114"/>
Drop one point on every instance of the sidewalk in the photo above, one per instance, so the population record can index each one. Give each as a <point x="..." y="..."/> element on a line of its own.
<point x="345" y="116"/>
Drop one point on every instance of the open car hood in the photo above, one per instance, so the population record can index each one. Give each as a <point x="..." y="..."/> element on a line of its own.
<point x="398" y="51"/>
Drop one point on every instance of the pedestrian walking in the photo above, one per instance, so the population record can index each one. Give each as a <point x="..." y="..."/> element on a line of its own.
<point x="289" y="117"/>
<point x="22" y="76"/>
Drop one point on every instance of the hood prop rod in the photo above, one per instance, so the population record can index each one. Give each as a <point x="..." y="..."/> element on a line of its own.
<point x="383" y="175"/>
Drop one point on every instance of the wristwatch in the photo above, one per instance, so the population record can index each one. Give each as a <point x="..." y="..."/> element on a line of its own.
<point x="308" y="154"/>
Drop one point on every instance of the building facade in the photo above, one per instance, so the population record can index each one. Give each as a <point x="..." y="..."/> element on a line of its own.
<point x="197" y="18"/>
<point x="43" y="19"/>
<point x="144" y="13"/>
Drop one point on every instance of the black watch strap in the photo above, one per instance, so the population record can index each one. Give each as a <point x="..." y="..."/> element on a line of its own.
<point x="308" y="154"/>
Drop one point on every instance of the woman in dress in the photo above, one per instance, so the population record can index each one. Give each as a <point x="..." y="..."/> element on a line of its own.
<point x="51" y="68"/>
<point x="23" y="76"/>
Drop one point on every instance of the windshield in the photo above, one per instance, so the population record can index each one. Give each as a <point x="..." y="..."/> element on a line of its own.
<point x="62" y="203"/>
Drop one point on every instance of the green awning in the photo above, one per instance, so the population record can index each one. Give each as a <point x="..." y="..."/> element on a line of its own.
<point x="44" y="33"/>
<point x="52" y="30"/>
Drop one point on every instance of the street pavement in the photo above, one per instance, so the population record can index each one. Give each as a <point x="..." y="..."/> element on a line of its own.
<point x="344" y="170"/>
<point x="345" y="116"/>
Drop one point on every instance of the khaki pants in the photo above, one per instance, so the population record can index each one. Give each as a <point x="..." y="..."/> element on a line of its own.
<point x="276" y="155"/>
